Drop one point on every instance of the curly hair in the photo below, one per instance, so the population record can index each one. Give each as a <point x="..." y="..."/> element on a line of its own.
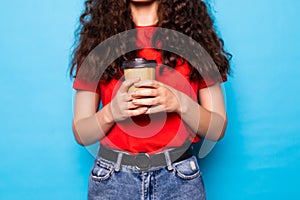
<point x="191" y="18"/>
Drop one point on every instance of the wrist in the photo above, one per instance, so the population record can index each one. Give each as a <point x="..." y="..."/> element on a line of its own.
<point x="107" y="114"/>
<point x="182" y="107"/>
<point x="186" y="105"/>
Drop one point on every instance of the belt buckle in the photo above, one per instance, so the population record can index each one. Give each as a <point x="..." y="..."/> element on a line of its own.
<point x="142" y="161"/>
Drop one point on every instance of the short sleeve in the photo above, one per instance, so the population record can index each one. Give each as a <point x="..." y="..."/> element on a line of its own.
<point x="204" y="83"/>
<point x="81" y="84"/>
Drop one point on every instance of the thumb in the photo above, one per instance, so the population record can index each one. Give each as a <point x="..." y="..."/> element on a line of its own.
<point x="128" y="83"/>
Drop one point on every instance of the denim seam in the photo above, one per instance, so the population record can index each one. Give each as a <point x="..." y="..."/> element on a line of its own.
<point x="143" y="187"/>
<point x="155" y="185"/>
<point x="189" y="177"/>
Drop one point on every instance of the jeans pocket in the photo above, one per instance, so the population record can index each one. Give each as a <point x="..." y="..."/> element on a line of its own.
<point x="101" y="170"/>
<point x="187" y="169"/>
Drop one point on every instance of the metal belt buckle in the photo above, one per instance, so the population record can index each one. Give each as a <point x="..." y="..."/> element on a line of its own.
<point x="142" y="161"/>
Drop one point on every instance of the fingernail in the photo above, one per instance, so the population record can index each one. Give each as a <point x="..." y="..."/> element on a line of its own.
<point x="133" y="101"/>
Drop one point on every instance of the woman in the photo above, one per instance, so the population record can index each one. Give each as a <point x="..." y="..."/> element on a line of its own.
<point x="183" y="104"/>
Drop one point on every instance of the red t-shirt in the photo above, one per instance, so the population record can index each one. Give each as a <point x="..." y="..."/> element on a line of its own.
<point x="149" y="133"/>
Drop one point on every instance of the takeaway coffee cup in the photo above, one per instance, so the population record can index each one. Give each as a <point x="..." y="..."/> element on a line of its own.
<point x="139" y="68"/>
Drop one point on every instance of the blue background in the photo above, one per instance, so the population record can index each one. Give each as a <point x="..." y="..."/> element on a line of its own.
<point x="257" y="159"/>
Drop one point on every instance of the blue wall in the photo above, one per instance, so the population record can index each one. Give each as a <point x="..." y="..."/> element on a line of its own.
<point x="257" y="159"/>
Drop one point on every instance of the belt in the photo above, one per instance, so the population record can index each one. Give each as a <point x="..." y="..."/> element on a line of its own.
<point x="145" y="161"/>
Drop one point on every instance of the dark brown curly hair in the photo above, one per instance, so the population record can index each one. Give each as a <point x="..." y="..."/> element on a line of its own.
<point x="191" y="18"/>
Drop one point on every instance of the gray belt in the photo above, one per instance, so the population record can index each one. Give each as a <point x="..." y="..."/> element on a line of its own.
<point x="145" y="161"/>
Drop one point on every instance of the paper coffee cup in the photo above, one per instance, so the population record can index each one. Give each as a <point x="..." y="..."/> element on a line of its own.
<point x="139" y="68"/>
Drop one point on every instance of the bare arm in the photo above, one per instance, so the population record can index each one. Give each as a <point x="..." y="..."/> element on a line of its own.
<point x="209" y="119"/>
<point x="91" y="125"/>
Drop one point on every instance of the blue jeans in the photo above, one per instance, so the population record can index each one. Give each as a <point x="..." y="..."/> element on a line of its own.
<point x="182" y="181"/>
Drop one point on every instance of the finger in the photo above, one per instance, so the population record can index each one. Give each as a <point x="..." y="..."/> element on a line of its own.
<point x="148" y="83"/>
<point x="131" y="106"/>
<point x="124" y="97"/>
<point x="146" y="92"/>
<point x="146" y="101"/>
<point x="155" y="109"/>
<point x="138" y="111"/>
<point x="128" y="83"/>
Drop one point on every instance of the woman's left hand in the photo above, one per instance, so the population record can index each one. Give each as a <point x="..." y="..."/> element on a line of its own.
<point x="157" y="96"/>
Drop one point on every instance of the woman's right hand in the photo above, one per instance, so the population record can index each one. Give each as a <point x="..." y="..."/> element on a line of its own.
<point x="122" y="106"/>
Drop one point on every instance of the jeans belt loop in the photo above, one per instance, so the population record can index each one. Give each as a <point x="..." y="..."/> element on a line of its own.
<point x="168" y="160"/>
<point x="119" y="160"/>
